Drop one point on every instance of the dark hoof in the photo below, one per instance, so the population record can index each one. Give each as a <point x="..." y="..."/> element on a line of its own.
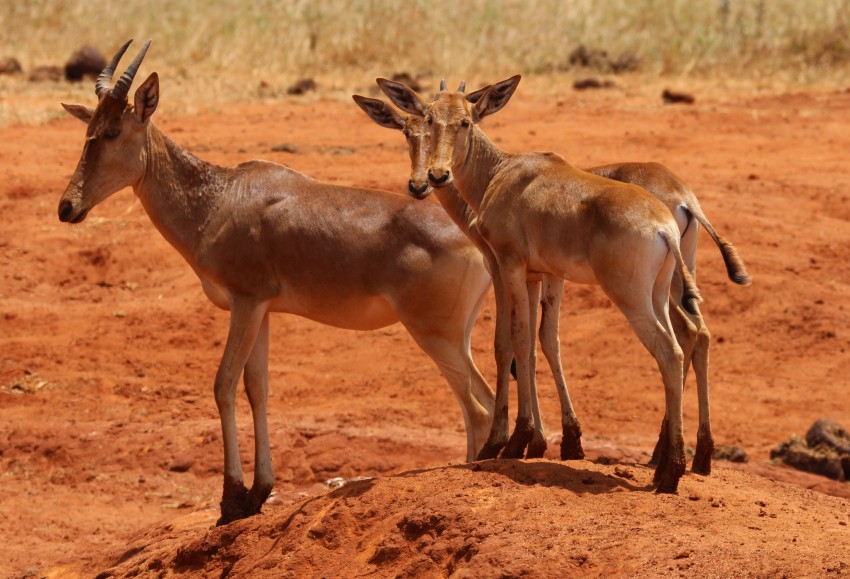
<point x="571" y="443"/>
<point x="705" y="450"/>
<point x="702" y="462"/>
<point x="536" y="449"/>
<point x="669" y="482"/>
<point x="667" y="478"/>
<point x="523" y="433"/>
<point x="236" y="503"/>
<point x="571" y="451"/>
<point x="489" y="451"/>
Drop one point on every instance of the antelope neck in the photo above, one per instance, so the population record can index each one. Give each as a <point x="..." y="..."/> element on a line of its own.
<point x="473" y="173"/>
<point x="179" y="192"/>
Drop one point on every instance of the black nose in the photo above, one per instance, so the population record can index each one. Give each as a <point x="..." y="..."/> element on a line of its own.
<point x="65" y="210"/>
<point x="416" y="191"/>
<point x="438" y="180"/>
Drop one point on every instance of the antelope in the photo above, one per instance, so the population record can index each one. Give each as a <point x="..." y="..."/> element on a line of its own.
<point x="540" y="215"/>
<point x="693" y="337"/>
<point x="264" y="238"/>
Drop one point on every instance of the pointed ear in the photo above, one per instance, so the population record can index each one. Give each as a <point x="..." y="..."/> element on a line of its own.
<point x="474" y="97"/>
<point x="380" y="112"/>
<point x="80" y="112"/>
<point x="403" y="97"/>
<point x="147" y="97"/>
<point x="495" y="98"/>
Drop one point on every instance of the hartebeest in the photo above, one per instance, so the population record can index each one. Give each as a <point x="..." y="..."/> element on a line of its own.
<point x="263" y="238"/>
<point x="539" y="214"/>
<point x="692" y="337"/>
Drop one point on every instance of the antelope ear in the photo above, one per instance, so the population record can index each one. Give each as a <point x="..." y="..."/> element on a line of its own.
<point x="80" y="112"/>
<point x="403" y="97"/>
<point x="147" y="97"/>
<point x="495" y="98"/>
<point x="380" y="112"/>
<point x="474" y="97"/>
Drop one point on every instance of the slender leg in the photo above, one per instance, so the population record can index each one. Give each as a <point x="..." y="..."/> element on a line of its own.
<point x="459" y="370"/>
<point x="551" y="344"/>
<point x="257" y="388"/>
<point x="515" y="285"/>
<point x="245" y="320"/>
<point x="686" y="336"/>
<point x="504" y="353"/>
<point x="705" y="442"/>
<point x="537" y="446"/>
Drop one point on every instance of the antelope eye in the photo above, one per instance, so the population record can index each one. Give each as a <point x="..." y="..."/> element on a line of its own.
<point x="429" y="120"/>
<point x="111" y="134"/>
<point x="464" y="123"/>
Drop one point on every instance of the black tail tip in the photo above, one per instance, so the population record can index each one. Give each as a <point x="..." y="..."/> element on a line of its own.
<point x="513" y="367"/>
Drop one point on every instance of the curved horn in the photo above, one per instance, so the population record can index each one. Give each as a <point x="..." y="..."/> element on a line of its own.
<point x="105" y="76"/>
<point x="462" y="87"/>
<point x="443" y="85"/>
<point x="122" y="87"/>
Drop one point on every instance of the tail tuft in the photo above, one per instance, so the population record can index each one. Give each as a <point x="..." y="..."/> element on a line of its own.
<point x="690" y="296"/>
<point x="734" y="264"/>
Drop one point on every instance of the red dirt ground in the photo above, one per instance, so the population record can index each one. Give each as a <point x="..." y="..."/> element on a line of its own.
<point x="109" y="438"/>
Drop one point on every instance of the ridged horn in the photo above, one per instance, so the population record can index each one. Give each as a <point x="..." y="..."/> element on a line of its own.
<point x="442" y="85"/>
<point x="105" y="76"/>
<point x="462" y="87"/>
<point x="122" y="87"/>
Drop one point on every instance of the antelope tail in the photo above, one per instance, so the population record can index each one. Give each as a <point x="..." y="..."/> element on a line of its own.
<point x="690" y="293"/>
<point x="734" y="264"/>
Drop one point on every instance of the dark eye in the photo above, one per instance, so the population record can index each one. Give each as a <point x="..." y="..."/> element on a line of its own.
<point x="464" y="123"/>
<point x="111" y="134"/>
<point x="429" y="120"/>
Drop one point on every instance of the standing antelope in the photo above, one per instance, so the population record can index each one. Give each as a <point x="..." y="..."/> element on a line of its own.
<point x="263" y="238"/>
<point x="692" y="337"/>
<point x="539" y="214"/>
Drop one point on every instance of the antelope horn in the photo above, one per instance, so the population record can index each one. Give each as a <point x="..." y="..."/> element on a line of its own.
<point x="122" y="87"/>
<point x="442" y="85"/>
<point x="105" y="77"/>
<point x="462" y="87"/>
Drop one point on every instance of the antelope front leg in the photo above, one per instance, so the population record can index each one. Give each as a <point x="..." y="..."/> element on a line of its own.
<point x="537" y="446"/>
<point x="257" y="388"/>
<point x="515" y="287"/>
<point x="504" y="353"/>
<point x="245" y="321"/>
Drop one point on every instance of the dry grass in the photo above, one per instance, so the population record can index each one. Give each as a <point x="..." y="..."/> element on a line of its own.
<point x="224" y="49"/>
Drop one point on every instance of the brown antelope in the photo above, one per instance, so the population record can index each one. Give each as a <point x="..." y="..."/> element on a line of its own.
<point x="541" y="215"/>
<point x="263" y="238"/>
<point x="694" y="339"/>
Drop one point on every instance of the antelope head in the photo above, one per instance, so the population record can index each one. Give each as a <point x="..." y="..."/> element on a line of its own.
<point x="115" y="151"/>
<point x="450" y="119"/>
<point x="415" y="132"/>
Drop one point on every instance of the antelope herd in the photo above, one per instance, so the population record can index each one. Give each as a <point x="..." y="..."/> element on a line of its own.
<point x="263" y="238"/>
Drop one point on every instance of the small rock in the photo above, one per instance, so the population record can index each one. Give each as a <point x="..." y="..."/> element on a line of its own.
<point x="182" y="464"/>
<point x="592" y="83"/>
<point x="730" y="453"/>
<point x="304" y="85"/>
<point x="285" y="148"/>
<point x="672" y="97"/>
<point x="87" y="61"/>
<point x="10" y="65"/>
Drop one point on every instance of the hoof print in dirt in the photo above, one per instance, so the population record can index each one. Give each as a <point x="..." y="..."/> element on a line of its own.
<point x="824" y="451"/>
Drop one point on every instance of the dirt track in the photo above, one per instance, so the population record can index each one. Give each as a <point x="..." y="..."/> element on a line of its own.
<point x="107" y="421"/>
